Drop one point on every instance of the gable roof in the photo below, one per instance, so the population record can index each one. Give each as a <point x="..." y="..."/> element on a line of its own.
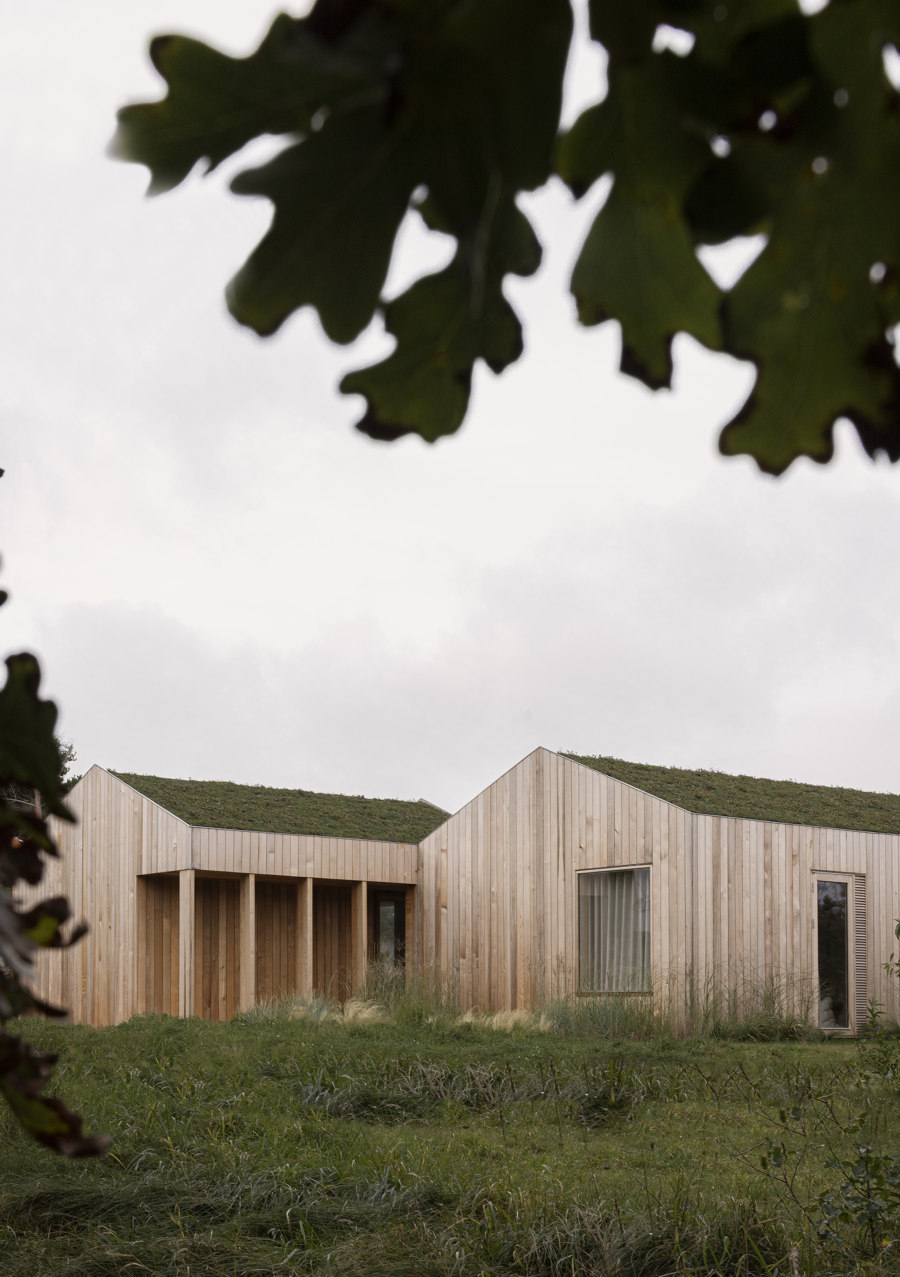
<point x="220" y="804"/>
<point x="713" y="793"/>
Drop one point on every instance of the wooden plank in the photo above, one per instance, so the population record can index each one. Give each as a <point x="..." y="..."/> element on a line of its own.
<point x="520" y="897"/>
<point x="146" y="921"/>
<point x="799" y="970"/>
<point x="220" y="924"/>
<point x="247" y="939"/>
<point x="186" y="942"/>
<point x="304" y="950"/>
<point x="359" y="938"/>
<point x="318" y="957"/>
<point x="700" y="901"/>
<point x="159" y="962"/>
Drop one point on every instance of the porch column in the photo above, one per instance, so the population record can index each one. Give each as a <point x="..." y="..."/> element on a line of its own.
<point x="359" y="935"/>
<point x="410" y="956"/>
<point x="303" y="976"/>
<point x="247" y="943"/>
<point x="186" y="947"/>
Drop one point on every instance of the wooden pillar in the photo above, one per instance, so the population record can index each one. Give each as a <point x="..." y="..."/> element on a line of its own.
<point x="410" y="957"/>
<point x="186" y="945"/>
<point x="147" y="959"/>
<point x="303" y="976"/>
<point x="359" y="935"/>
<point x="247" y="943"/>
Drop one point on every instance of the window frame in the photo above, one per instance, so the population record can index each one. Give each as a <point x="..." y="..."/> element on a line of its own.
<point x="378" y="895"/>
<point x="856" y="971"/>
<point x="617" y="993"/>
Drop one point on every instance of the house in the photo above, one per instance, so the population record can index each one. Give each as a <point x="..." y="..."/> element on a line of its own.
<point x="566" y="876"/>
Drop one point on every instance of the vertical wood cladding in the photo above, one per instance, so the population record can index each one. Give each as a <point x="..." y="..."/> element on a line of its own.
<point x="118" y="835"/>
<point x="277" y="929"/>
<point x="301" y="856"/>
<point x="492" y="903"/>
<point x="332" y="953"/>
<point x="217" y="970"/>
<point x="158" y="918"/>
<point x="731" y="899"/>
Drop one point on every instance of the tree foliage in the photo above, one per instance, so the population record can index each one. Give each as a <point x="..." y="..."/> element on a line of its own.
<point x="775" y="123"/>
<point x="26" y="798"/>
<point x="33" y="765"/>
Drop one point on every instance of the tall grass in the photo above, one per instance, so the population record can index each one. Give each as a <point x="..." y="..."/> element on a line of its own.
<point x="412" y="994"/>
<point x="755" y="1006"/>
<point x="770" y="1007"/>
<point x="305" y="1138"/>
<point x="749" y="1006"/>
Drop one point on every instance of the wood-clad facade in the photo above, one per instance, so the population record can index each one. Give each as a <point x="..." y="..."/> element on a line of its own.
<point x="195" y="921"/>
<point x="733" y="901"/>
<point x="202" y="921"/>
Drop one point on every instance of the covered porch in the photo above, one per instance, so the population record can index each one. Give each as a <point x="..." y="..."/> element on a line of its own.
<point x="211" y="944"/>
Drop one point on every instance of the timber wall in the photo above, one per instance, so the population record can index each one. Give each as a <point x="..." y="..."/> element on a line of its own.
<point x="277" y="928"/>
<point x="118" y="836"/>
<point x="732" y="900"/>
<point x="203" y="921"/>
<point x="200" y="921"/>
<point x="301" y="856"/>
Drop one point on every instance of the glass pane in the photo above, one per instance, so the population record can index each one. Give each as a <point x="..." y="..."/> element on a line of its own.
<point x="834" y="1003"/>
<point x="387" y="932"/>
<point x="614" y="931"/>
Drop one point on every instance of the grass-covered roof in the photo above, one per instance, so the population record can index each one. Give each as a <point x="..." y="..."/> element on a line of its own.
<point x="221" y="804"/>
<point x="788" y="801"/>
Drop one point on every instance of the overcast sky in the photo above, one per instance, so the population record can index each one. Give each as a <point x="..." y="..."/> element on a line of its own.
<point x="224" y="580"/>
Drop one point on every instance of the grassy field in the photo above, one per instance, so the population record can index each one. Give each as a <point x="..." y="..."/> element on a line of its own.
<point x="436" y="1146"/>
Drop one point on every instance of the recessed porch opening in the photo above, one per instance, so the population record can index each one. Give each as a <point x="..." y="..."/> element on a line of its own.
<point x="278" y="938"/>
<point x="218" y="947"/>
<point x="257" y="939"/>
<point x="157" y="946"/>
<point x="332" y="946"/>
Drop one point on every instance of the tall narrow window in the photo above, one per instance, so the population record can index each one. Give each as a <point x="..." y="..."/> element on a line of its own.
<point x="387" y="932"/>
<point x="614" y="931"/>
<point x="834" y="966"/>
<point x="387" y="927"/>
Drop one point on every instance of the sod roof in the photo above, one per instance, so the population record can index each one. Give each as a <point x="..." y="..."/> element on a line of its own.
<point x="788" y="801"/>
<point x="220" y="804"/>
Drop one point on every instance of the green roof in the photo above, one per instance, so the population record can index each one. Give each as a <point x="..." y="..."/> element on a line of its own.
<point x="220" y="804"/>
<point x="787" y="801"/>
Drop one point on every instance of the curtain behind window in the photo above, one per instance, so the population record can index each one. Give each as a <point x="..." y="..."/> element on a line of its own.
<point x="614" y="931"/>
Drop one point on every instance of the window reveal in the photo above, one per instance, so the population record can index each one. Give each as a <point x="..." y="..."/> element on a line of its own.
<point x="614" y="931"/>
<point x="833" y="955"/>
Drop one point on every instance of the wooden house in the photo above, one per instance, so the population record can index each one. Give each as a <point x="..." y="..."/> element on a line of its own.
<point x="560" y="879"/>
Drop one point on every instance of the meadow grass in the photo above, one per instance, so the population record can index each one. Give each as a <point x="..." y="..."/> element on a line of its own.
<point x="223" y="804"/>
<point x="715" y="793"/>
<point x="304" y="1139"/>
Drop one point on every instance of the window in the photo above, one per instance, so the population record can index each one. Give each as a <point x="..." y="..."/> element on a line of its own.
<point x="387" y="927"/>
<point x="833" y="954"/>
<point x="614" y="931"/>
<point x="840" y="921"/>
